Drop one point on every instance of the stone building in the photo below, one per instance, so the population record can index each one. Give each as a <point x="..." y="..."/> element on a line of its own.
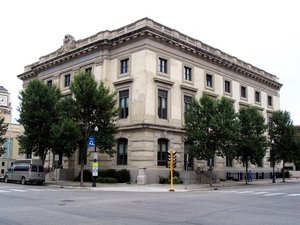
<point x="13" y="131"/>
<point x="156" y="71"/>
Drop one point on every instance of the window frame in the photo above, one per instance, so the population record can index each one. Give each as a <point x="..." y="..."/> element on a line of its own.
<point x="124" y="70"/>
<point x="270" y="101"/>
<point x="185" y="74"/>
<point x="67" y="82"/>
<point x="160" y="113"/>
<point x="259" y="96"/>
<point x="122" y="159"/>
<point x="166" y="70"/>
<point x="246" y="92"/>
<point x="230" y="87"/>
<point x="212" y="86"/>
<point x="124" y="113"/>
<point x="162" y="156"/>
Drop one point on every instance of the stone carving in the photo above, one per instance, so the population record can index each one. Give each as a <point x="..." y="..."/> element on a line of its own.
<point x="69" y="43"/>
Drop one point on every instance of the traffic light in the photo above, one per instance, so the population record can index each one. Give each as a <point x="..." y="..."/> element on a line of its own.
<point x="174" y="159"/>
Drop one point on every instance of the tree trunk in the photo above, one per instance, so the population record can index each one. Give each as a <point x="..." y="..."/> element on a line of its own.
<point x="283" y="172"/>
<point x="246" y="171"/>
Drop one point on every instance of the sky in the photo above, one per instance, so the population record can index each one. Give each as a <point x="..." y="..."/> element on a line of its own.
<point x="264" y="33"/>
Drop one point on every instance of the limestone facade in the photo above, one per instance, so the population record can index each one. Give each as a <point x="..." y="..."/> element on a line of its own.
<point x="155" y="71"/>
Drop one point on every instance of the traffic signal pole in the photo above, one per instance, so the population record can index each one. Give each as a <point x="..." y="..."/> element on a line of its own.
<point x="171" y="170"/>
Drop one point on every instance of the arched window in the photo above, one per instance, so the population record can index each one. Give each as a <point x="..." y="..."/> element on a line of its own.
<point x="162" y="149"/>
<point x="122" y="151"/>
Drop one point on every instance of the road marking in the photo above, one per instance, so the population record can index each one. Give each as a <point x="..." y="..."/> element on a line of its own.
<point x="18" y="190"/>
<point x="260" y="193"/>
<point x="244" y="192"/>
<point x="35" y="190"/>
<point x="274" y="194"/>
<point x="3" y="191"/>
<point x="293" y="195"/>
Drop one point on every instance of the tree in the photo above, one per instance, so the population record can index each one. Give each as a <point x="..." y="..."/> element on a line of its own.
<point x="252" y="143"/>
<point x="211" y="128"/>
<point x="283" y="133"/>
<point x="94" y="106"/>
<point x="3" y="129"/>
<point x="37" y="115"/>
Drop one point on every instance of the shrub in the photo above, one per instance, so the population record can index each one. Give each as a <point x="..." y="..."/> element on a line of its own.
<point x="176" y="180"/>
<point x="163" y="180"/>
<point x="222" y="179"/>
<point x="110" y="180"/>
<point x="123" y="176"/>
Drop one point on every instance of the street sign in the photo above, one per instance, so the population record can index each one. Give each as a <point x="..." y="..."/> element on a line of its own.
<point x="91" y="141"/>
<point x="95" y="169"/>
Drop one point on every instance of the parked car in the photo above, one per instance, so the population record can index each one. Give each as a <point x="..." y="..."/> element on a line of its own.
<point x="26" y="171"/>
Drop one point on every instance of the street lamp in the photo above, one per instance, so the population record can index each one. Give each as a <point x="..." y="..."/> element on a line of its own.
<point x="273" y="162"/>
<point x="95" y="164"/>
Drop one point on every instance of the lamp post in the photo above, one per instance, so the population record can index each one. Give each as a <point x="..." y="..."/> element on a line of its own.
<point x="273" y="162"/>
<point x="95" y="164"/>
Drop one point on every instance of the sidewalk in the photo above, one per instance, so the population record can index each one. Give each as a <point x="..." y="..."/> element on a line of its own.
<point x="166" y="187"/>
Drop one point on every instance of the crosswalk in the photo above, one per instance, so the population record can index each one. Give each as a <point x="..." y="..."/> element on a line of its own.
<point x="264" y="193"/>
<point x="27" y="190"/>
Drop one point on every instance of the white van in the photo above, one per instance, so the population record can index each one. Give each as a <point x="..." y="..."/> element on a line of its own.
<point x="26" y="171"/>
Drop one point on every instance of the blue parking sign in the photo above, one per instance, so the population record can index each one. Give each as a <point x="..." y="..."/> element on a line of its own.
<point x="91" y="141"/>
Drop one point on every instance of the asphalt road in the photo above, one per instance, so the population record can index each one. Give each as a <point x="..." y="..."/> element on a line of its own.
<point x="276" y="204"/>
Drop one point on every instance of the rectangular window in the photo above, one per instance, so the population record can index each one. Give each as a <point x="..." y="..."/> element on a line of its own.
<point x="188" y="73"/>
<point x="163" y="65"/>
<point x="67" y="80"/>
<point x="123" y="103"/>
<point x="243" y="92"/>
<point x="88" y="70"/>
<point x="162" y="104"/>
<point x="124" y="65"/>
<point x="257" y="96"/>
<point x="227" y="86"/>
<point x="211" y="162"/>
<point x="187" y="103"/>
<point x="229" y="162"/>
<point x="270" y="101"/>
<point x="122" y="151"/>
<point x="49" y="83"/>
<point x="209" y="80"/>
<point x="162" y="152"/>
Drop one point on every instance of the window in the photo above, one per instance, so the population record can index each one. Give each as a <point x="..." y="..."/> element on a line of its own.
<point x="187" y="103"/>
<point x="227" y="86"/>
<point x="3" y="163"/>
<point x="209" y="81"/>
<point x="123" y="103"/>
<point x="67" y="80"/>
<point x="229" y="161"/>
<point x="49" y="83"/>
<point x="163" y="65"/>
<point x="122" y="151"/>
<point x="188" y="159"/>
<point x="270" y="101"/>
<point x="124" y="65"/>
<point x="270" y="122"/>
<point x="243" y="92"/>
<point x="211" y="162"/>
<point x="188" y="73"/>
<point x="162" y="104"/>
<point x="88" y="70"/>
<point x="162" y="149"/>
<point x="257" y="96"/>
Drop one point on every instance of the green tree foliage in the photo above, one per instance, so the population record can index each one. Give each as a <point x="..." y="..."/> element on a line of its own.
<point x="37" y="115"/>
<point x="3" y="129"/>
<point x="252" y="143"/>
<point x="94" y="106"/>
<point x="283" y="133"/>
<point x="211" y="127"/>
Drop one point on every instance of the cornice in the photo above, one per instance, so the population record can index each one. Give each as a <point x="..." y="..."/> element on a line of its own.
<point x="152" y="126"/>
<point x="147" y="28"/>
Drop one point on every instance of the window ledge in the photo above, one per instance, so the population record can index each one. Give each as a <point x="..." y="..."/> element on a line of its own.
<point x="160" y="80"/>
